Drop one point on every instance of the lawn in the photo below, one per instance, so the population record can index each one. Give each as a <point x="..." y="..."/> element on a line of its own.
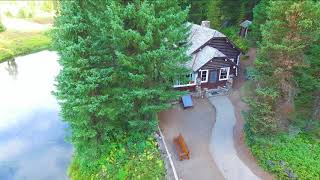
<point x="14" y="43"/>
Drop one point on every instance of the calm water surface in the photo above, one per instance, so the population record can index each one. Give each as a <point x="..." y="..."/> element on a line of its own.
<point x="32" y="135"/>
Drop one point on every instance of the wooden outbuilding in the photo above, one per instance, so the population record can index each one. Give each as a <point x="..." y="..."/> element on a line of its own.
<point x="244" y="28"/>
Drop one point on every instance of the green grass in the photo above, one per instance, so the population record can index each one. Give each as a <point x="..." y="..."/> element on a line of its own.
<point x="19" y="43"/>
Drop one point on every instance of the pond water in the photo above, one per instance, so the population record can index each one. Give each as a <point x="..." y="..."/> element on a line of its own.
<point x="32" y="135"/>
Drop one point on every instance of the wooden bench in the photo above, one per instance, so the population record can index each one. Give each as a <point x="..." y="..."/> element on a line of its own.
<point x="181" y="147"/>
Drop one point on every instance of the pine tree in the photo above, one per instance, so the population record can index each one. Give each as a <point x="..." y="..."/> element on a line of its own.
<point x="118" y="61"/>
<point x="297" y="28"/>
<point x="289" y="30"/>
<point x="198" y="10"/>
<point x="225" y="13"/>
<point x="214" y="13"/>
<point x="259" y="18"/>
<point x="307" y="101"/>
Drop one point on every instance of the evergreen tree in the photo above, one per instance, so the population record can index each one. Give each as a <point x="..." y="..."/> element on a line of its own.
<point x="246" y="9"/>
<point x="297" y="29"/>
<point x="198" y="10"/>
<point x="227" y="13"/>
<point x="289" y="31"/>
<point x="214" y="13"/>
<point x="118" y="61"/>
<point x="307" y="101"/>
<point x="259" y="18"/>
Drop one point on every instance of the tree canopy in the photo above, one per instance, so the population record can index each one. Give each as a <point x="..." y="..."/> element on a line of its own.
<point x="289" y="33"/>
<point x="118" y="61"/>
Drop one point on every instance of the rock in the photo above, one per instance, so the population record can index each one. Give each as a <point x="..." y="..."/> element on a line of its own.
<point x="271" y="164"/>
<point x="290" y="174"/>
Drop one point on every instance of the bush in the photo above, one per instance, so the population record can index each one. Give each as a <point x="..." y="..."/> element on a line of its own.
<point x="2" y="28"/>
<point x="127" y="158"/>
<point x="287" y="157"/>
<point x="8" y="14"/>
<point x="23" y="13"/>
<point x="232" y="33"/>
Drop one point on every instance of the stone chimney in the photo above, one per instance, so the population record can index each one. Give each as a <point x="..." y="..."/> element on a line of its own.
<point x="205" y="24"/>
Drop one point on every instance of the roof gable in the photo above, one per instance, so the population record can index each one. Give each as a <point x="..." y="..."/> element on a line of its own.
<point x="201" y="50"/>
<point x="199" y="35"/>
<point x="203" y="56"/>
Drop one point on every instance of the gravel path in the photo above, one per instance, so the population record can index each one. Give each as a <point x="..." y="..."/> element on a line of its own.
<point x="222" y="143"/>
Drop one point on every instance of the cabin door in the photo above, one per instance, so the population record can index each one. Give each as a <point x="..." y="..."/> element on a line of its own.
<point x="213" y="76"/>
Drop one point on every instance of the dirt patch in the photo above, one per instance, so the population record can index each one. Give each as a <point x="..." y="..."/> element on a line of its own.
<point x="241" y="148"/>
<point x="243" y="64"/>
<point x="195" y="125"/>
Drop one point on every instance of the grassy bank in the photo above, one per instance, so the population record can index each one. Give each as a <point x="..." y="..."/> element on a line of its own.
<point x="13" y="43"/>
<point x="287" y="157"/>
<point x="126" y="158"/>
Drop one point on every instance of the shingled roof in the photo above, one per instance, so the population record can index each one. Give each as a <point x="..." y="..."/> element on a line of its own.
<point x="246" y="23"/>
<point x="199" y="35"/>
<point x="201" y="57"/>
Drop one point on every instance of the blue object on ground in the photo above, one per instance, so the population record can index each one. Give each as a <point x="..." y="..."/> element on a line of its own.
<point x="187" y="101"/>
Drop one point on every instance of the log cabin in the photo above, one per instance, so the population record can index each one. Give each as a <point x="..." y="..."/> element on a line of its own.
<point x="214" y="59"/>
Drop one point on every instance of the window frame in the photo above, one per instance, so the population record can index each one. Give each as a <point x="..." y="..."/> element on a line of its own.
<point x="177" y="83"/>
<point x="207" y="75"/>
<point x="228" y="71"/>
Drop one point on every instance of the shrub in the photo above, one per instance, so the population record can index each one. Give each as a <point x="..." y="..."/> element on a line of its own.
<point x="260" y="118"/>
<point x="232" y="33"/>
<point x="251" y="73"/>
<point x="287" y="157"/>
<point x="2" y="28"/>
<point x="8" y="14"/>
<point x="23" y="13"/>
<point x="127" y="158"/>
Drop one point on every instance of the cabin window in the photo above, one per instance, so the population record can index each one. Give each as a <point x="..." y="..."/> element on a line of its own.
<point x="191" y="78"/>
<point x="224" y="73"/>
<point x="177" y="83"/>
<point x="204" y="75"/>
<point x="185" y="80"/>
